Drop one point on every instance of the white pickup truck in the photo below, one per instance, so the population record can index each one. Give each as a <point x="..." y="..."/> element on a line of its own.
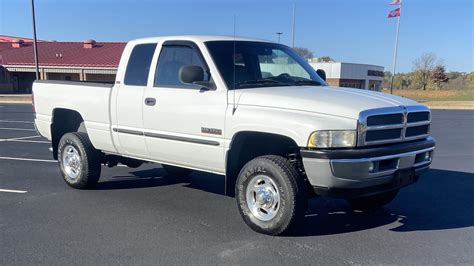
<point x="250" y="110"/>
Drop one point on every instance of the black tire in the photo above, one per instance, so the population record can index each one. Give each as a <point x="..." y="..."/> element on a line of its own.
<point x="290" y="186"/>
<point x="176" y="171"/>
<point x="89" y="173"/>
<point x="373" y="203"/>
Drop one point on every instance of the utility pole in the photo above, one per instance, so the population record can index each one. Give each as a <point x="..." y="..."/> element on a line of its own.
<point x="35" y="46"/>
<point x="279" y="34"/>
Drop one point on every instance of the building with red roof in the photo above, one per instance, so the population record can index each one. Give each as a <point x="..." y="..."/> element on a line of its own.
<point x="82" y="61"/>
<point x="6" y="38"/>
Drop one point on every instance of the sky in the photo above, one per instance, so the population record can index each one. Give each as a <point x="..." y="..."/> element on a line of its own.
<point x="356" y="31"/>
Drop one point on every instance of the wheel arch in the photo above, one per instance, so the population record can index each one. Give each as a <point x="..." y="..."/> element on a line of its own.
<point x="246" y="145"/>
<point x="64" y="120"/>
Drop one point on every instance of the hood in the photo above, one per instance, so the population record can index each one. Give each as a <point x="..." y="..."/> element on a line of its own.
<point x="328" y="100"/>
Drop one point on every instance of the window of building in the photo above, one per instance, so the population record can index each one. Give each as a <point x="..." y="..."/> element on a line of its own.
<point x="172" y="58"/>
<point x="3" y="75"/>
<point x="351" y="85"/>
<point x="375" y="73"/>
<point x="138" y="65"/>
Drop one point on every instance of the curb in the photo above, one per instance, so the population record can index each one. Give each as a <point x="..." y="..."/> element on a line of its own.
<point x="14" y="102"/>
<point x="14" y="98"/>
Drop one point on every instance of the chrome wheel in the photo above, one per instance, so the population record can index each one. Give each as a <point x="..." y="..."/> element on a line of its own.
<point x="72" y="162"/>
<point x="263" y="198"/>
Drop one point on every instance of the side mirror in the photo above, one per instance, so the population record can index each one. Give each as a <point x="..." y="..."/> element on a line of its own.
<point x="321" y="73"/>
<point x="191" y="73"/>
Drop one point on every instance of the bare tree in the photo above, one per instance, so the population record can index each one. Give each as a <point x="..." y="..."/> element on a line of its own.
<point x="423" y="67"/>
<point x="304" y="52"/>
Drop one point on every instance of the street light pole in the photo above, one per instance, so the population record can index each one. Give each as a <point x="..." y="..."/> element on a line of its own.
<point x="293" y="27"/>
<point x="279" y="34"/>
<point x="35" y="47"/>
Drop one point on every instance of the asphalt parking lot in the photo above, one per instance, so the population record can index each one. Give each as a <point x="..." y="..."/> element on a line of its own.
<point x="142" y="216"/>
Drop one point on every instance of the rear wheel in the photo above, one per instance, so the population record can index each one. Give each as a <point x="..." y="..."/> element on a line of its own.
<point x="270" y="195"/>
<point x="177" y="171"/>
<point x="373" y="203"/>
<point x="79" y="161"/>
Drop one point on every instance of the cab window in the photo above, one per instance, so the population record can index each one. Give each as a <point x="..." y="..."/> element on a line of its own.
<point x="171" y="59"/>
<point x="139" y="63"/>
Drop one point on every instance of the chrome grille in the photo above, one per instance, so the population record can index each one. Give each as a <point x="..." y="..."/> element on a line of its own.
<point x="393" y="124"/>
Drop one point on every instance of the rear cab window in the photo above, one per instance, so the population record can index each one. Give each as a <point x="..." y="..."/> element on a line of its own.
<point x="138" y="66"/>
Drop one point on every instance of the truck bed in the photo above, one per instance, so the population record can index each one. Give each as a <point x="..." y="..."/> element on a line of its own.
<point x="91" y="100"/>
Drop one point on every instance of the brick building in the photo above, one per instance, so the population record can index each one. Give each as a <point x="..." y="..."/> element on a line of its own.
<point x="84" y="61"/>
<point x="361" y="76"/>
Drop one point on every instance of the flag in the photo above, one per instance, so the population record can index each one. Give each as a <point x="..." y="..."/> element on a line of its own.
<point x="394" y="13"/>
<point x="396" y="2"/>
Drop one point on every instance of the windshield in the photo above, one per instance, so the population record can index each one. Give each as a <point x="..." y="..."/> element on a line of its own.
<point x="260" y="64"/>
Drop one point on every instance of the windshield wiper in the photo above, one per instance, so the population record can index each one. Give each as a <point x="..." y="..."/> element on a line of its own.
<point x="308" y="82"/>
<point x="261" y="82"/>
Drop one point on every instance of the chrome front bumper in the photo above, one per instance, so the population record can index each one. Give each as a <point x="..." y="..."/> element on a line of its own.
<point x="365" y="169"/>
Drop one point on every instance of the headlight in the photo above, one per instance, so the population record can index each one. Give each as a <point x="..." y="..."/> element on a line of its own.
<point x="332" y="139"/>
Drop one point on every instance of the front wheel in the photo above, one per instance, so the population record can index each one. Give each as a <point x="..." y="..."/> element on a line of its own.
<point x="374" y="202"/>
<point x="79" y="161"/>
<point x="270" y="195"/>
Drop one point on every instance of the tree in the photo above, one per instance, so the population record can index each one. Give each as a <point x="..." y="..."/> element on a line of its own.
<point x="325" y="59"/>
<point x="304" y="52"/>
<point x="454" y="75"/>
<point x="387" y="78"/>
<point x="470" y="79"/>
<point x="438" y="75"/>
<point x="423" y="67"/>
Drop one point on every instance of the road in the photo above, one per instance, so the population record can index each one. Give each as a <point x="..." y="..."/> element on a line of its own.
<point x="142" y="216"/>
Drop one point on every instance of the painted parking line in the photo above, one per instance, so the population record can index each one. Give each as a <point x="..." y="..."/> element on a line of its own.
<point x="28" y="159"/>
<point x="39" y="160"/>
<point x="12" y="191"/>
<point x="15" y="121"/>
<point x="20" y="138"/>
<point x="19" y="129"/>
<point x="25" y="139"/>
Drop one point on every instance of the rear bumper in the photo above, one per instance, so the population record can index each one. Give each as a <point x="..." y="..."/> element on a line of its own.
<point x="43" y="126"/>
<point x="362" y="171"/>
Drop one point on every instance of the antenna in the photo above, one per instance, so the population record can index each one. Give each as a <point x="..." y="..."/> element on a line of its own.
<point x="233" y="74"/>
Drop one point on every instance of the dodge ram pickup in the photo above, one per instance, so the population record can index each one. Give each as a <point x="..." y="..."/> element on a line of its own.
<point x="250" y="110"/>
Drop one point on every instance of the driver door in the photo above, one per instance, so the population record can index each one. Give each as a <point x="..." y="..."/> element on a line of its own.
<point x="185" y="126"/>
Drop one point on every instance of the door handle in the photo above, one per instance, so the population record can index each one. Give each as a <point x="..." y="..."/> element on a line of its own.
<point x="150" y="101"/>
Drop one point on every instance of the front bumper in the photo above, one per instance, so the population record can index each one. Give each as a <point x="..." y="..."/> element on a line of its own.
<point x="349" y="173"/>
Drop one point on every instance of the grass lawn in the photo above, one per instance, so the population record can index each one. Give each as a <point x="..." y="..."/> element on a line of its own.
<point x="436" y="95"/>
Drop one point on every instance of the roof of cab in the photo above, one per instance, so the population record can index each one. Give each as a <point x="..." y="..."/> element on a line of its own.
<point x="197" y="38"/>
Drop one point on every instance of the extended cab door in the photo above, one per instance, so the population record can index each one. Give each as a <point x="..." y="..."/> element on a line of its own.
<point x="185" y="126"/>
<point x="128" y="108"/>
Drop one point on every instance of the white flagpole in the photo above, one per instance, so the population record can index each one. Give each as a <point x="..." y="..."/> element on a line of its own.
<point x="396" y="49"/>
